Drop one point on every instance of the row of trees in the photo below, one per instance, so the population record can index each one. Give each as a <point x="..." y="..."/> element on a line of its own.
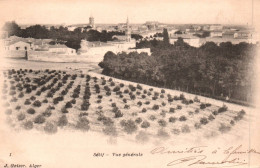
<point x="215" y="71"/>
<point x="71" y="38"/>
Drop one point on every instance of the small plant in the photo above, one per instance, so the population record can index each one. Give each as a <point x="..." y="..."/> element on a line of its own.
<point x="215" y="112"/>
<point x="37" y="103"/>
<point x="144" y="110"/>
<point x="30" y="111"/>
<point x="63" y="121"/>
<point x="8" y="111"/>
<point x="197" y="125"/>
<point x="139" y="87"/>
<point x="138" y="120"/>
<point x="20" y="116"/>
<point x="152" y="117"/>
<point x="204" y="121"/>
<point x="196" y="99"/>
<point x="211" y="117"/>
<point x="172" y="119"/>
<point x="110" y="130"/>
<point x="27" y="102"/>
<point x="45" y="101"/>
<point x="202" y="106"/>
<point x="197" y="111"/>
<point x="118" y="114"/>
<point x="18" y="107"/>
<point x="222" y="109"/>
<point x="39" y="119"/>
<point x="162" y="134"/>
<point x="139" y="103"/>
<point x="130" y="127"/>
<point x="176" y="131"/>
<point x="147" y="102"/>
<point x="83" y="124"/>
<point x="162" y="123"/>
<point x="126" y="107"/>
<point x="224" y="128"/>
<point x="142" y="137"/>
<point x="28" y="125"/>
<point x="50" y="128"/>
<point x="185" y="129"/>
<point x="182" y="118"/>
<point x="179" y="107"/>
<point x="162" y="91"/>
<point x="156" y="107"/>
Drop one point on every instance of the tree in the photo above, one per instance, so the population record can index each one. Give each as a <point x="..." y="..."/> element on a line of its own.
<point x="12" y="28"/>
<point x="166" y="37"/>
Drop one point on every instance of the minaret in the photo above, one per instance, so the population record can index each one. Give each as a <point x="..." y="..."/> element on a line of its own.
<point x="128" y="31"/>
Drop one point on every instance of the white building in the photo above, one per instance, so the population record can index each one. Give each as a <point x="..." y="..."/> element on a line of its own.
<point x="61" y="49"/>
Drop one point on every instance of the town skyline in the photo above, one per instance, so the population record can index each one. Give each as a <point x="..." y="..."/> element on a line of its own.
<point x="167" y="12"/>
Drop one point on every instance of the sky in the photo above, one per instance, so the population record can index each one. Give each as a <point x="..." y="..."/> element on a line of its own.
<point x="138" y="11"/>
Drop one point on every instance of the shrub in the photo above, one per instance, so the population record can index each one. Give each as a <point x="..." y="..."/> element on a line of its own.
<point x="45" y="101"/>
<point x="202" y="106"/>
<point x="182" y="96"/>
<point x="107" y="121"/>
<point x="161" y="96"/>
<point x="215" y="112"/>
<point x="132" y="97"/>
<point x="121" y="85"/>
<point x="156" y="107"/>
<point x="196" y="99"/>
<point x="110" y="130"/>
<point x="83" y="114"/>
<point x="126" y="91"/>
<point x="50" y="128"/>
<point x="116" y="89"/>
<point x="211" y="117"/>
<point x="27" y="102"/>
<point x="139" y="87"/>
<point x="12" y="92"/>
<point x="130" y="127"/>
<point x="20" y="116"/>
<point x="28" y="125"/>
<point x="124" y="100"/>
<point x="185" y="129"/>
<point x="39" y="119"/>
<point x="68" y="105"/>
<point x="152" y="117"/>
<point x="144" y="110"/>
<point x="208" y="104"/>
<point x="179" y="107"/>
<point x="83" y="124"/>
<point x="222" y="109"/>
<point x="147" y="102"/>
<point x="123" y="123"/>
<point x="176" y="131"/>
<point x="30" y="111"/>
<point x="197" y="111"/>
<point x="155" y="98"/>
<point x="232" y="122"/>
<point x="33" y="98"/>
<point x="18" y="107"/>
<point x="113" y="104"/>
<point x="108" y="93"/>
<point x="112" y="83"/>
<point x="8" y="111"/>
<point x="138" y="120"/>
<point x="139" y="103"/>
<point x="162" y="134"/>
<point x="182" y="118"/>
<point x="142" y="137"/>
<point x="63" y="121"/>
<point x="37" y="103"/>
<point x="162" y="91"/>
<point x="224" y="128"/>
<point x="204" y="121"/>
<point x="64" y="110"/>
<point x="143" y="96"/>
<point x="21" y="95"/>
<point x="126" y="106"/>
<point x="197" y="125"/>
<point x="172" y="119"/>
<point x="118" y="114"/>
<point x="163" y="104"/>
<point x="162" y="123"/>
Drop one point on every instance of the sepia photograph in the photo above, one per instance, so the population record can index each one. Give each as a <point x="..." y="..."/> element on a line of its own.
<point x="133" y="84"/>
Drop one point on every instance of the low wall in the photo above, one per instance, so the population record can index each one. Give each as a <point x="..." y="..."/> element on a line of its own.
<point x="15" y="53"/>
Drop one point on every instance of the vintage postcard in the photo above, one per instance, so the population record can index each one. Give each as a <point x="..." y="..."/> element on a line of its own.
<point x="132" y="84"/>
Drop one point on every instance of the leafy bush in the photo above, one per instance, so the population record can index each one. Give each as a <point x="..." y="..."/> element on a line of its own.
<point x="64" y="110"/>
<point x="182" y="118"/>
<point x="202" y="106"/>
<point x="143" y="96"/>
<point x="185" y="129"/>
<point x="162" y="123"/>
<point x="224" y="128"/>
<point x="21" y="95"/>
<point x="162" y="134"/>
<point x="179" y="107"/>
<point x="197" y="125"/>
<point x="18" y="107"/>
<point x="20" y="116"/>
<point x="39" y="119"/>
<point x="37" y="103"/>
<point x="27" y="102"/>
<point x="211" y="117"/>
<point x="144" y="110"/>
<point x="50" y="128"/>
<point x="156" y="107"/>
<point x="63" y="121"/>
<point x="147" y="102"/>
<point x="163" y="104"/>
<point x="139" y="103"/>
<point x="121" y="85"/>
<point x="116" y="89"/>
<point x="142" y="137"/>
<point x="30" y="111"/>
<point x="162" y="91"/>
<point x="215" y="112"/>
<point x="124" y="100"/>
<point x="118" y="114"/>
<point x="28" y="125"/>
<point x="176" y="131"/>
<point x="138" y="120"/>
<point x="222" y="109"/>
<point x="197" y="111"/>
<point x="33" y="98"/>
<point x="152" y="117"/>
<point x="126" y="107"/>
<point x="172" y="119"/>
<point x="110" y="130"/>
<point x="83" y="124"/>
<point x="8" y="111"/>
<point x="196" y="99"/>
<point x="45" y="101"/>
<point x="139" y="87"/>
<point x="204" y="121"/>
<point x="130" y="127"/>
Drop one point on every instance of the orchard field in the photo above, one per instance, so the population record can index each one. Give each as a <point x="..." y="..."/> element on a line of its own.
<point x="50" y="100"/>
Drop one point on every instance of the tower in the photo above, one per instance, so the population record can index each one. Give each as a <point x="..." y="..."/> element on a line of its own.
<point x="128" y="31"/>
<point x="91" y="22"/>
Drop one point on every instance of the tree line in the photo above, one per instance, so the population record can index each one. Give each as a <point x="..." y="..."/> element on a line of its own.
<point x="224" y="71"/>
<point x="61" y="34"/>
